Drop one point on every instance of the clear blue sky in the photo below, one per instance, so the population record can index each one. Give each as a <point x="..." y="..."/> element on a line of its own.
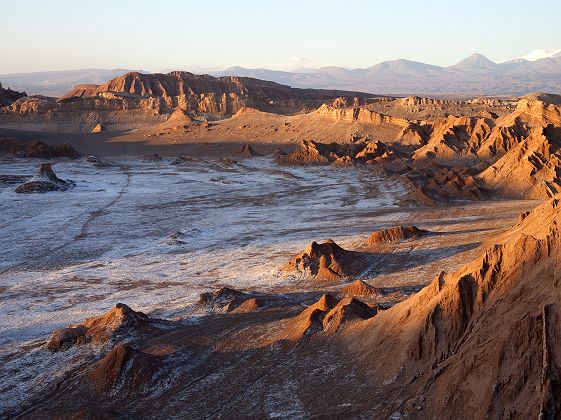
<point x="42" y="35"/>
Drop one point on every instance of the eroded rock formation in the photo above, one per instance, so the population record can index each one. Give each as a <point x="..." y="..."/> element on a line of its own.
<point x="9" y="96"/>
<point x="45" y="181"/>
<point x="326" y="262"/>
<point x="395" y="234"/>
<point x="119" y="321"/>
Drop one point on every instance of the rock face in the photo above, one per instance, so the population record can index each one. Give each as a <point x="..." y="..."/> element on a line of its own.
<point x="45" y="181"/>
<point x="118" y="321"/>
<point x="485" y="337"/>
<point x="359" y="114"/>
<point x="36" y="149"/>
<point x="395" y="234"/>
<point x="208" y="94"/>
<point x="8" y="96"/>
<point x="125" y="368"/>
<point x="326" y="262"/>
<point x="531" y="169"/>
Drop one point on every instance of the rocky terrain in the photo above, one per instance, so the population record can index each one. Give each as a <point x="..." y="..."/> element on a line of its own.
<point x="278" y="252"/>
<point x="8" y="96"/>
<point x="136" y="100"/>
<point x="441" y="351"/>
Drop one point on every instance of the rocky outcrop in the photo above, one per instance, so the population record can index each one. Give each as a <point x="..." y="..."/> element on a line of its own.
<point x="36" y="149"/>
<point x="225" y="300"/>
<point x="396" y="234"/>
<point x="83" y="114"/>
<point x="45" y="181"/>
<point x="531" y="169"/>
<point x="9" y="96"/>
<point x="326" y="262"/>
<point x="360" y="288"/>
<point x="208" y="94"/>
<point x="250" y="305"/>
<point x="358" y="114"/>
<point x="539" y="109"/>
<point x="308" y="152"/>
<point x="98" y="128"/>
<point x="247" y="151"/>
<point x="479" y="342"/>
<point x="328" y="314"/>
<point x="315" y="153"/>
<point x="118" y="322"/>
<point x="414" y="134"/>
<point x="434" y="183"/>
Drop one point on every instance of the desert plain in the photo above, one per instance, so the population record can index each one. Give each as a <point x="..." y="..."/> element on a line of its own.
<point x="181" y="245"/>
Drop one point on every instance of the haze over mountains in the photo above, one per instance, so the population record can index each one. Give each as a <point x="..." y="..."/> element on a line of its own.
<point x="475" y="75"/>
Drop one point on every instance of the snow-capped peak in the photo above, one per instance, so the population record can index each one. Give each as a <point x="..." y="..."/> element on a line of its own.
<point x="541" y="53"/>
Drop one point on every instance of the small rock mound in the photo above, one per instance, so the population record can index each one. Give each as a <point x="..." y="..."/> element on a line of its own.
<point x="326" y="262"/>
<point x="98" y="128"/>
<point x="45" y="181"/>
<point x="123" y="367"/>
<point x="359" y="288"/>
<point x="223" y="300"/>
<point x="307" y="153"/>
<point x="328" y="314"/>
<point x="347" y="310"/>
<point x="249" y="305"/>
<point x="247" y="151"/>
<point x="154" y="157"/>
<point x="309" y="321"/>
<point x="118" y="321"/>
<point x="395" y="234"/>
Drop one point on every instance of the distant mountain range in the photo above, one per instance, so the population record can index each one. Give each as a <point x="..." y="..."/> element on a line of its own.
<point x="57" y="83"/>
<point x="475" y="75"/>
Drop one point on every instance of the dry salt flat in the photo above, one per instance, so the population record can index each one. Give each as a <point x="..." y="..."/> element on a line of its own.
<point x="156" y="235"/>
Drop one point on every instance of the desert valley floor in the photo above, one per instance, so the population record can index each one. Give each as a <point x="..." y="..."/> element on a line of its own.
<point x="189" y="246"/>
<point x="155" y="235"/>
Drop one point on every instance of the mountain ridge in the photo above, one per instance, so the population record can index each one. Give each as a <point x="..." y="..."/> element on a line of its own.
<point x="474" y="75"/>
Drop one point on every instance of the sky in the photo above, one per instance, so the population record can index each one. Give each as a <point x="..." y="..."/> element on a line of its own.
<point x="283" y="34"/>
